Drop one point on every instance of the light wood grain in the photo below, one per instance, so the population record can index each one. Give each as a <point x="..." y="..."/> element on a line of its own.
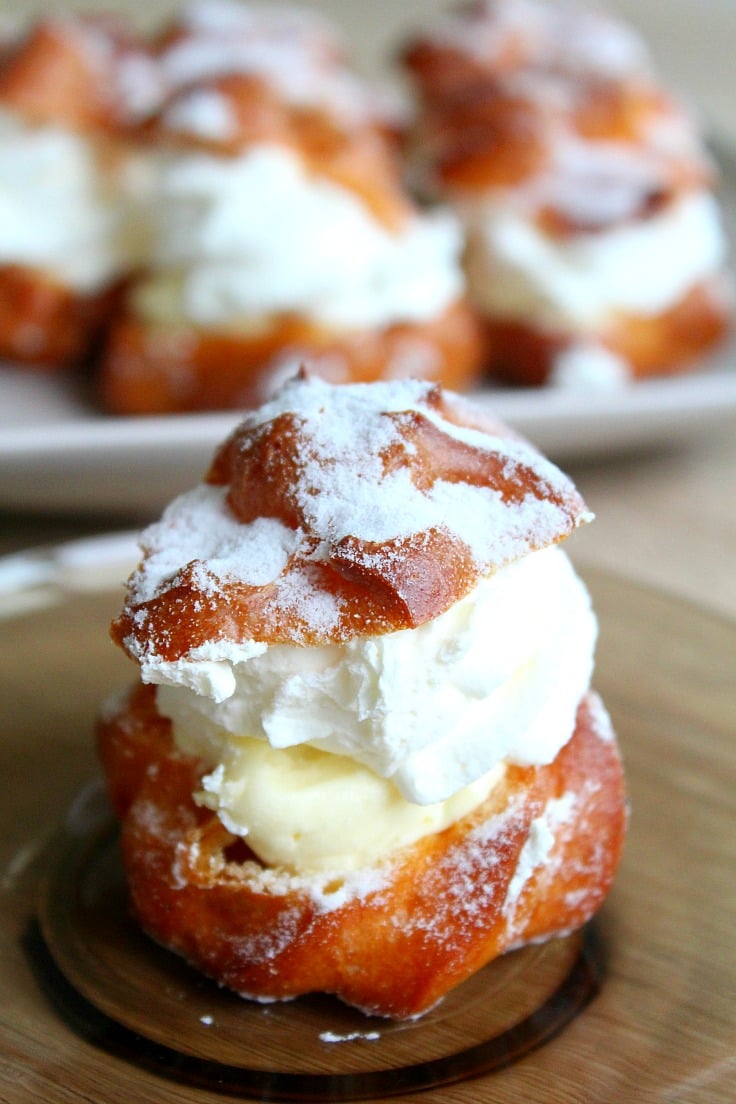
<point x="664" y="1026"/>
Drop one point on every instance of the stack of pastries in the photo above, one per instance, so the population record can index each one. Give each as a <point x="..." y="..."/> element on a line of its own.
<point x="595" y="248"/>
<point x="280" y="228"/>
<point x="364" y="756"/>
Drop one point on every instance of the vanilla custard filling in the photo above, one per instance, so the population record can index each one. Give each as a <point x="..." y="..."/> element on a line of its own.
<point x="325" y="757"/>
<point x="310" y="811"/>
<point x="242" y="239"/>
<point x="62" y="211"/>
<point x="644" y="268"/>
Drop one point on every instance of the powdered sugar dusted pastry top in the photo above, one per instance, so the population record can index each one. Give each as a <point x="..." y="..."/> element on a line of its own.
<point x="507" y="34"/>
<point x="331" y="513"/>
<point x="91" y="75"/>
<point x="294" y="51"/>
<point x="558" y="103"/>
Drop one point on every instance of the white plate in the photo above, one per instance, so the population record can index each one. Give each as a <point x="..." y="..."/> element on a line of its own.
<point x="83" y="463"/>
<point x="56" y="453"/>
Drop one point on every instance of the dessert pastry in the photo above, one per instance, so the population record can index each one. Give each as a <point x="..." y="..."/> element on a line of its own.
<point x="70" y="186"/>
<point x="281" y="230"/>
<point x="595" y="248"/>
<point x="364" y="756"/>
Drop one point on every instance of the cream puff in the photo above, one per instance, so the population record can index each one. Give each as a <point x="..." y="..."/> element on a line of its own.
<point x="70" y="185"/>
<point x="281" y="229"/>
<point x="595" y="246"/>
<point x="364" y="756"/>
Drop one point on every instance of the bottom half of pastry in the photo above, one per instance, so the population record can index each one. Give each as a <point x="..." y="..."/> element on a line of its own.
<point x="534" y="860"/>
<point x="44" y="322"/>
<point x="626" y="347"/>
<point x="159" y="368"/>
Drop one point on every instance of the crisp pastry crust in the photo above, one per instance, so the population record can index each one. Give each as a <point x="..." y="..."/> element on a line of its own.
<point x="395" y="940"/>
<point x="489" y="136"/>
<point x="664" y="344"/>
<point x="44" y="323"/>
<point x="152" y="368"/>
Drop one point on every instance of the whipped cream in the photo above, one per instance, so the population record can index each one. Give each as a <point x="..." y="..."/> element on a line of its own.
<point x="497" y="678"/>
<point x="245" y="238"/>
<point x="60" y="209"/>
<point x="517" y="271"/>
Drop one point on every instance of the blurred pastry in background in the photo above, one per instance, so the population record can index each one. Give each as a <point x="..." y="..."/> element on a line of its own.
<point x="281" y="229"/>
<point x="69" y="184"/>
<point x="595" y="247"/>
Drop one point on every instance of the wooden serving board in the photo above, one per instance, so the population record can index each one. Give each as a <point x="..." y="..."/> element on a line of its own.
<point x="662" y="1027"/>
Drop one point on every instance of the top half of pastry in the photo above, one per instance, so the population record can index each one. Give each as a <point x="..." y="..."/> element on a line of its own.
<point x="339" y="512"/>
<point x="86" y="75"/>
<point x="238" y="78"/>
<point x="95" y="74"/>
<point x="555" y="100"/>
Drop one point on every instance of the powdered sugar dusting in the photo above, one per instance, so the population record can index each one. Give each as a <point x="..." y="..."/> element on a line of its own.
<point x="538" y="845"/>
<point x="296" y="595"/>
<point x="595" y="183"/>
<point x="343" y="489"/>
<point x="355" y="488"/>
<point x="199" y="528"/>
<point x="327" y="891"/>
<point x="549" y="67"/>
<point x="334" y="1037"/>
<point x="467" y="882"/>
<point x="600" y="718"/>
<point x="295" y="52"/>
<point x="204" y="113"/>
<point x="559" y="36"/>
